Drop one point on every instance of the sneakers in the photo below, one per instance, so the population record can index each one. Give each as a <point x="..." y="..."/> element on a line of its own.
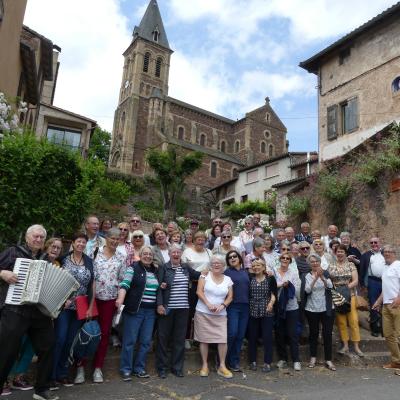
<point x="297" y="366"/>
<point x="188" y="345"/>
<point x="6" y="391"/>
<point x="266" y="368"/>
<point x="45" y="396"/>
<point x="53" y="385"/>
<point x="235" y="368"/>
<point x="391" y="365"/>
<point x="253" y="366"/>
<point x="204" y="372"/>
<point x="80" y="376"/>
<point x="281" y="364"/>
<point x="224" y="372"/>
<point x="20" y="383"/>
<point x="98" y="376"/>
<point x="126" y="376"/>
<point x="115" y="341"/>
<point x="65" y="382"/>
<point x="141" y="374"/>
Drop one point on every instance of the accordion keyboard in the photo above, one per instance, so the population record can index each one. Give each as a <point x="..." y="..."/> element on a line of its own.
<point x="16" y="290"/>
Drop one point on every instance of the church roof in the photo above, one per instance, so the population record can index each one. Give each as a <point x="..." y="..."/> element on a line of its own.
<point x="150" y="23"/>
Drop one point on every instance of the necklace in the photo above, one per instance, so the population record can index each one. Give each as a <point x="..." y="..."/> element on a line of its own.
<point x="73" y="259"/>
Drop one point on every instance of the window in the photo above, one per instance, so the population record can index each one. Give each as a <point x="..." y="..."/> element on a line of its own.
<point x="244" y="198"/>
<point x="1" y="10"/>
<point x="267" y="117"/>
<point x="344" y="55"/>
<point x="263" y="147"/>
<point x="252" y="176"/>
<point x="396" y="85"/>
<point x="268" y="194"/>
<point x="122" y="126"/>
<point x="202" y="139"/>
<point x="272" y="170"/>
<point x="181" y="132"/>
<point x="267" y="134"/>
<point x="234" y="172"/>
<point x="156" y="35"/>
<point x="349" y="111"/>
<point x="332" y="122"/>
<point x="158" y="67"/>
<point x="223" y="146"/>
<point x="301" y="173"/>
<point x="213" y="169"/>
<point x="146" y="62"/>
<point x="136" y="165"/>
<point x="237" y="146"/>
<point x="270" y="150"/>
<point x="64" y="137"/>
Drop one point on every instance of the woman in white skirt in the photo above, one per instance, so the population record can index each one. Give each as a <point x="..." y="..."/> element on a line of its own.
<point x="210" y="322"/>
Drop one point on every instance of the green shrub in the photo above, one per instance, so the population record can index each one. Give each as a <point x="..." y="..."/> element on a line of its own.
<point x="297" y="206"/>
<point x="238" y="210"/>
<point x="333" y="187"/>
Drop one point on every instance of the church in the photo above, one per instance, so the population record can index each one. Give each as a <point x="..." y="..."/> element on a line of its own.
<point x="147" y="117"/>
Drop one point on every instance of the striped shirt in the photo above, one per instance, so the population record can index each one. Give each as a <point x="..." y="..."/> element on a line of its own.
<point x="179" y="290"/>
<point x="150" y="289"/>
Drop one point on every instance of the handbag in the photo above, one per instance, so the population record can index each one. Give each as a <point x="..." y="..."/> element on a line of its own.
<point x="342" y="305"/>
<point x="82" y="305"/>
<point x="85" y="342"/>
<point x="361" y="303"/>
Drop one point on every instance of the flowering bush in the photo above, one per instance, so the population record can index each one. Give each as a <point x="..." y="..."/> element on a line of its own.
<point x="9" y="120"/>
<point x="264" y="224"/>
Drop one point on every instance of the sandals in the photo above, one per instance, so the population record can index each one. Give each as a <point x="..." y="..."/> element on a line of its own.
<point x="343" y="350"/>
<point x="330" y="366"/>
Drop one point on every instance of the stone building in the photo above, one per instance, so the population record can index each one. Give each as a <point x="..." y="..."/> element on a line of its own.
<point x="147" y="117"/>
<point x="358" y="84"/>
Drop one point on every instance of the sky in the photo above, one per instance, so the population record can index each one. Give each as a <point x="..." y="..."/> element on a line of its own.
<point x="228" y="54"/>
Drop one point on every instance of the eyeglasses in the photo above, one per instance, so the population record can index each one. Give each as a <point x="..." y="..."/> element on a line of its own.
<point x="285" y="259"/>
<point x="138" y="237"/>
<point x="304" y="248"/>
<point x="137" y="221"/>
<point x="317" y="244"/>
<point x="233" y="256"/>
<point x="374" y="242"/>
<point x="226" y="237"/>
<point x="123" y="229"/>
<point x="285" y="248"/>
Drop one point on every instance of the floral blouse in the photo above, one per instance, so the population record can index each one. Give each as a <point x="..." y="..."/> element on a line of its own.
<point x="108" y="273"/>
<point x="259" y="297"/>
<point x="341" y="274"/>
<point x="82" y="275"/>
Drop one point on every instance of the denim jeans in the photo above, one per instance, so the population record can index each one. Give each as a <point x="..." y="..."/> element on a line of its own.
<point x="238" y="317"/>
<point x="138" y="327"/>
<point x="66" y="328"/>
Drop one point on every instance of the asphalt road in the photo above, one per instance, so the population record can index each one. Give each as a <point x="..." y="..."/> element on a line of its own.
<point x="346" y="383"/>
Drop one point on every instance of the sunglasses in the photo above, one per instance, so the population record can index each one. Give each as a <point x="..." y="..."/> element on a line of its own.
<point x="317" y="244"/>
<point x="373" y="242"/>
<point x="138" y="237"/>
<point x="304" y="248"/>
<point x="123" y="229"/>
<point x="226" y="237"/>
<point x="233" y="256"/>
<point x="285" y="258"/>
<point x="137" y="221"/>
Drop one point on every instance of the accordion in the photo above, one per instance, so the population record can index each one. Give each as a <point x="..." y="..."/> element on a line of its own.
<point x="42" y="284"/>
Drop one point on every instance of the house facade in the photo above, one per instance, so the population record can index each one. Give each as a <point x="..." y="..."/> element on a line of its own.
<point x="358" y="84"/>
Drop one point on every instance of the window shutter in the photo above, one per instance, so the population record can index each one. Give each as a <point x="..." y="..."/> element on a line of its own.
<point x="353" y="113"/>
<point x="332" y="122"/>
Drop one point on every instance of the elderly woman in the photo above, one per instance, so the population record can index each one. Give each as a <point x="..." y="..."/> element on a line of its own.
<point x="262" y="297"/>
<point x="271" y="257"/>
<point x="258" y="251"/>
<point x="225" y="246"/>
<point x="246" y="235"/>
<point x="105" y="225"/>
<point x="210" y="323"/>
<point x="353" y="254"/>
<point x="80" y="266"/>
<point x="53" y="248"/>
<point x="316" y="234"/>
<point x="156" y="226"/>
<point x="125" y="246"/>
<point x="288" y="284"/>
<point x="138" y="241"/>
<point x="109" y="267"/>
<point x="319" y="310"/>
<point x="343" y="274"/>
<point x="138" y="292"/>
<point x="215" y="233"/>
<point x="161" y="248"/>
<point x="188" y="239"/>
<point x="319" y="250"/>
<point x="176" y="238"/>
<point x="238" y="310"/>
<point x="173" y="310"/>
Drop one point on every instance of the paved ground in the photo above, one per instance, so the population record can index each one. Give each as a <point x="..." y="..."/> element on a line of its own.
<point x="346" y="383"/>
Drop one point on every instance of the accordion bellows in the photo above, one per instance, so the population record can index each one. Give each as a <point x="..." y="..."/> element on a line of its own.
<point x="42" y="284"/>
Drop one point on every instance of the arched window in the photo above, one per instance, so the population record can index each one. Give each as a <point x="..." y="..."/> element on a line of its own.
<point x="115" y="159"/>
<point x="213" y="169"/>
<point x="122" y="126"/>
<point x="158" y="67"/>
<point x="271" y="150"/>
<point x="181" y="133"/>
<point x="202" y="139"/>
<point x="156" y="34"/>
<point x="234" y="172"/>
<point x="237" y="146"/>
<point x="263" y="147"/>
<point x="146" y="62"/>
<point x="396" y="85"/>
<point x="223" y="146"/>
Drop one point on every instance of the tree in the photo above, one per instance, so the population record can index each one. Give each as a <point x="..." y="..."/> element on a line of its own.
<point x="99" y="147"/>
<point x="172" y="167"/>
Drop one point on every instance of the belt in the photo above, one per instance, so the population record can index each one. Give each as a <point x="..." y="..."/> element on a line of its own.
<point x="375" y="278"/>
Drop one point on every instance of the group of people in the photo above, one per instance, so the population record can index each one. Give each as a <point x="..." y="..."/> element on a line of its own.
<point x="210" y="287"/>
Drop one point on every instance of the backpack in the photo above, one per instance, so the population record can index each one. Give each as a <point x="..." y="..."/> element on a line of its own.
<point x="85" y="342"/>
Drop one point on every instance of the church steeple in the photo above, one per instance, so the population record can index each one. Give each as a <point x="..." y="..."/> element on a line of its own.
<point x="151" y="26"/>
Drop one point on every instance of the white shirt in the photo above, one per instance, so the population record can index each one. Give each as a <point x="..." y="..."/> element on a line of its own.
<point x="235" y="242"/>
<point x="145" y="237"/>
<point x="215" y="294"/>
<point x="327" y="240"/>
<point x="391" y="282"/>
<point x="293" y="277"/>
<point x="198" y="261"/>
<point x="376" y="265"/>
<point x="165" y="255"/>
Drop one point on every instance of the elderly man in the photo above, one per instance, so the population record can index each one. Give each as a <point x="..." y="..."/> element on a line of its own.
<point x="216" y="221"/>
<point x="95" y="241"/>
<point x="332" y="235"/>
<point x="390" y="298"/>
<point x="256" y="220"/>
<point x="19" y="320"/>
<point x="173" y="308"/>
<point x="371" y="269"/>
<point x="353" y="254"/>
<point x="135" y="224"/>
<point x="258" y="232"/>
<point x="290" y="235"/>
<point x="280" y="236"/>
<point x="304" y="235"/>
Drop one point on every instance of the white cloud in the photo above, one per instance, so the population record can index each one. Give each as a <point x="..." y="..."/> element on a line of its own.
<point x="92" y="35"/>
